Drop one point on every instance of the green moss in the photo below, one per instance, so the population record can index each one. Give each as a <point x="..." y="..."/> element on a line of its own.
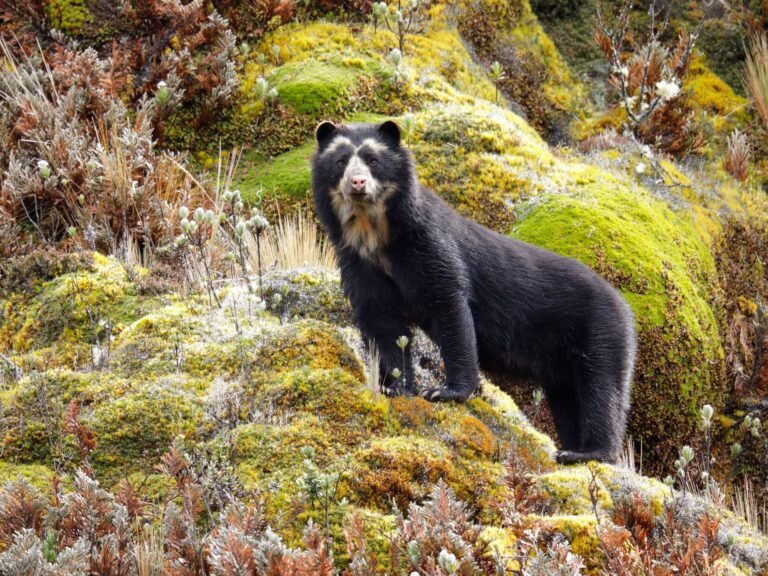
<point x="267" y="453"/>
<point x="335" y="396"/>
<point x="308" y="344"/>
<point x="72" y="312"/>
<point x="134" y="429"/>
<point x="154" y="344"/>
<point x="32" y="411"/>
<point x="311" y="85"/>
<point x="480" y="158"/>
<point x="286" y="175"/>
<point x="69" y="16"/>
<point x="38" y="476"/>
<point x="567" y="490"/>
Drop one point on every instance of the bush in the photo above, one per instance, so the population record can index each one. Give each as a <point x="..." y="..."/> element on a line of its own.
<point x="78" y="167"/>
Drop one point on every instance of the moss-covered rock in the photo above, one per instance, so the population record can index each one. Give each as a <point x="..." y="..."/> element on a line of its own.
<point x="307" y="293"/>
<point x="285" y="176"/>
<point x="309" y="86"/>
<point x="72" y="318"/>
<point x="135" y="427"/>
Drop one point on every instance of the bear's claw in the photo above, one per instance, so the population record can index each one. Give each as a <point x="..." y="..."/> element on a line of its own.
<point x="443" y="394"/>
<point x="582" y="456"/>
<point x="393" y="391"/>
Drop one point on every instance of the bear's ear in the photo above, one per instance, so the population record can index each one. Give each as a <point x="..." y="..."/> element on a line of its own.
<point x="324" y="132"/>
<point x="390" y="133"/>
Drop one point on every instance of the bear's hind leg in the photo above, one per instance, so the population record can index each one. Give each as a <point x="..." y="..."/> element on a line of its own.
<point x="601" y="413"/>
<point x="563" y="404"/>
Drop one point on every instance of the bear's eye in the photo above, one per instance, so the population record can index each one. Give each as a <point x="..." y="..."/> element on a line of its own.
<point x="373" y="161"/>
<point x="341" y="163"/>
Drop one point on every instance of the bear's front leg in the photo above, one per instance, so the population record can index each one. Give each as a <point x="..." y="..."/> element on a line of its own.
<point x="379" y="313"/>
<point x="453" y="331"/>
<point x="396" y="376"/>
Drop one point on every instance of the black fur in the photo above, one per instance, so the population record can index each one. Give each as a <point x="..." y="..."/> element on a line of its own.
<point x="487" y="301"/>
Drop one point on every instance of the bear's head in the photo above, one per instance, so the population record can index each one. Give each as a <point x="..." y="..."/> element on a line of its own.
<point x="360" y="164"/>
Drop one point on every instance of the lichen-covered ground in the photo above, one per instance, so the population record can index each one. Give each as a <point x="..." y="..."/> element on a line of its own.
<point x="274" y="393"/>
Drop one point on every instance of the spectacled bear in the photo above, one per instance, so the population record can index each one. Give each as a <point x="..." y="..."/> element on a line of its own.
<point x="487" y="301"/>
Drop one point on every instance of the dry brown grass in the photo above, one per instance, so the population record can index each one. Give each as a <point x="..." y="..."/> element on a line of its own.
<point x="737" y="156"/>
<point x="745" y="503"/>
<point x="755" y="76"/>
<point x="148" y="551"/>
<point x="293" y="242"/>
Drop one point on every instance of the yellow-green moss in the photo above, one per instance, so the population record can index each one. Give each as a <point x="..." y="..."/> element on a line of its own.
<point x="155" y="343"/>
<point x="567" y="490"/>
<point x="71" y="313"/>
<point x="33" y="410"/>
<point x="335" y="396"/>
<point x="272" y="452"/>
<point x="708" y="92"/>
<point x="313" y="344"/>
<point x="480" y="158"/>
<point x="579" y="530"/>
<point x="286" y="175"/>
<point x="310" y="85"/>
<point x="133" y="430"/>
<point x="37" y="475"/>
<point x="69" y="16"/>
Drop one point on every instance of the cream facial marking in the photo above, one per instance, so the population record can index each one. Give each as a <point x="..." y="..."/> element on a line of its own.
<point x="373" y="144"/>
<point x="337" y="143"/>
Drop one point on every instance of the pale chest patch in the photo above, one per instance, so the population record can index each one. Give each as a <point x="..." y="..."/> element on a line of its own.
<point x="364" y="228"/>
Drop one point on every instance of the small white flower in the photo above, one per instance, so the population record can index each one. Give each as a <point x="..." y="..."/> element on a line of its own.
<point x="667" y="90"/>
<point x="447" y="561"/>
<point x="640" y="168"/>
<point x="44" y="168"/>
<point x="396" y="57"/>
<point x="162" y="85"/>
<point x="646" y="151"/>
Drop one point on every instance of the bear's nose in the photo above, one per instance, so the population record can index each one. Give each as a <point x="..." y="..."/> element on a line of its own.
<point x="358" y="182"/>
